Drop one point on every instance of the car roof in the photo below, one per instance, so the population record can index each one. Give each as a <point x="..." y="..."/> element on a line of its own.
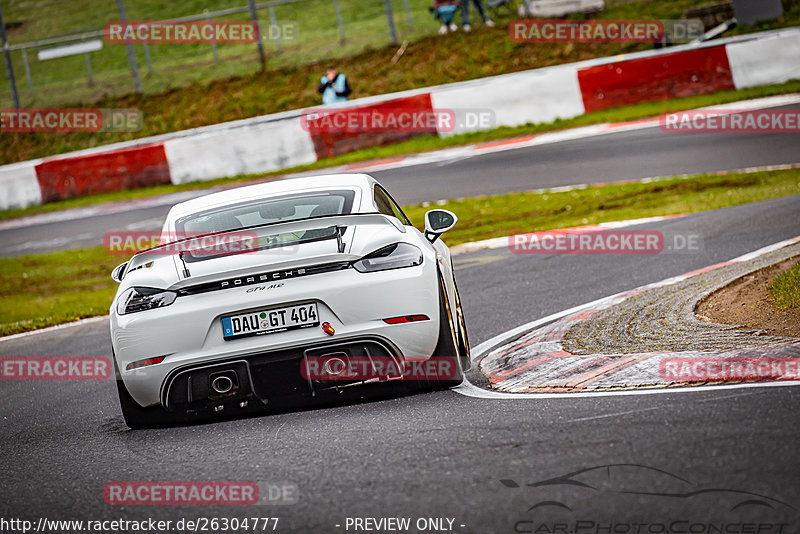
<point x="274" y="188"/>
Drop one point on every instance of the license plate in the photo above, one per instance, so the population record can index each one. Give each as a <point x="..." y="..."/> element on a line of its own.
<point x="270" y="321"/>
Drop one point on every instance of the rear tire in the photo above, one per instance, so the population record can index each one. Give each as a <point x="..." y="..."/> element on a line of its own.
<point x="447" y="348"/>
<point x="136" y="417"/>
<point x="463" y="339"/>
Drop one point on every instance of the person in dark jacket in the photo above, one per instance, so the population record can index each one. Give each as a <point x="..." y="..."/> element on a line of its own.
<point x="481" y="11"/>
<point x="334" y="87"/>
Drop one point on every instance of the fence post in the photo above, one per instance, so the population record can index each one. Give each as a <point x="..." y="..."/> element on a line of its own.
<point x="339" y="20"/>
<point x="89" y="69"/>
<point x="409" y="24"/>
<point x="387" y="6"/>
<point x="27" y="70"/>
<point x="147" y="58"/>
<point x="213" y="40"/>
<point x="131" y="56"/>
<point x="9" y="67"/>
<point x="273" y="27"/>
<point x="254" y="18"/>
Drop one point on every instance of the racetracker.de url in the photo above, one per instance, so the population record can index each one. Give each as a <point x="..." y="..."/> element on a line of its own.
<point x="199" y="524"/>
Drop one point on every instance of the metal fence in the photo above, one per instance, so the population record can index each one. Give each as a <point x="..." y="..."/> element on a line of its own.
<point x="88" y="43"/>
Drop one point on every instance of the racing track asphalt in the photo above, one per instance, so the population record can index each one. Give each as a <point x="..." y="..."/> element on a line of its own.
<point x="437" y="454"/>
<point x="611" y="157"/>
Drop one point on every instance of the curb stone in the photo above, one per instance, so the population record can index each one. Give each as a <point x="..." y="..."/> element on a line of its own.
<point x="537" y="361"/>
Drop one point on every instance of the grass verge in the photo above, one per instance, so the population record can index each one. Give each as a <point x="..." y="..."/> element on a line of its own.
<point x="433" y="142"/>
<point x="785" y="290"/>
<point x="47" y="289"/>
<point x="501" y="215"/>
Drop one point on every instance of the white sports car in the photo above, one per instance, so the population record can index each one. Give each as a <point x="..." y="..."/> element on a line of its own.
<point x="266" y="295"/>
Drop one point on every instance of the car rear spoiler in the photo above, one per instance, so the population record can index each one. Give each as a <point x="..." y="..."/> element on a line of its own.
<point x="183" y="246"/>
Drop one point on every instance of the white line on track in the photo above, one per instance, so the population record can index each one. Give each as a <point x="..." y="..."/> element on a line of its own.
<point x="615" y="414"/>
<point x="469" y="390"/>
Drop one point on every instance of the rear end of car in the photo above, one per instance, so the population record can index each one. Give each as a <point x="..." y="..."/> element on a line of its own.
<point x="277" y="294"/>
<point x="257" y="334"/>
<point x="236" y="332"/>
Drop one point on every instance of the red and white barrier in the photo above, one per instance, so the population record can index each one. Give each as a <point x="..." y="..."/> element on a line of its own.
<point x="281" y="141"/>
<point x="534" y="96"/>
<point x="764" y="61"/>
<point x="332" y="142"/>
<point x="248" y="148"/>
<point x="662" y="77"/>
<point x="19" y="186"/>
<point x="101" y="172"/>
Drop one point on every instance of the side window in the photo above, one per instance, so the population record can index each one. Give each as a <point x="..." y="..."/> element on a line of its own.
<point x="388" y="206"/>
<point x="383" y="202"/>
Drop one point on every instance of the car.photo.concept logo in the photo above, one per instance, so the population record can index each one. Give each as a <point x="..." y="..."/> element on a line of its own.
<point x="629" y="498"/>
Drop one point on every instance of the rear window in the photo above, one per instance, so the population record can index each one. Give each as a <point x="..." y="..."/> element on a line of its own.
<point x="266" y="211"/>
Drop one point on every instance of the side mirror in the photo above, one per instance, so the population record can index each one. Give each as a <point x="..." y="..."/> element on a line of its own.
<point x="438" y="222"/>
<point x="118" y="272"/>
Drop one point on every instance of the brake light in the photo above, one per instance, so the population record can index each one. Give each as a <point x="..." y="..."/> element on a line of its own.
<point x="406" y="319"/>
<point x="144" y="363"/>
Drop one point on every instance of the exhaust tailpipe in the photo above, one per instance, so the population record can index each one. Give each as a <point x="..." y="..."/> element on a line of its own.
<point x="334" y="366"/>
<point x="222" y="384"/>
